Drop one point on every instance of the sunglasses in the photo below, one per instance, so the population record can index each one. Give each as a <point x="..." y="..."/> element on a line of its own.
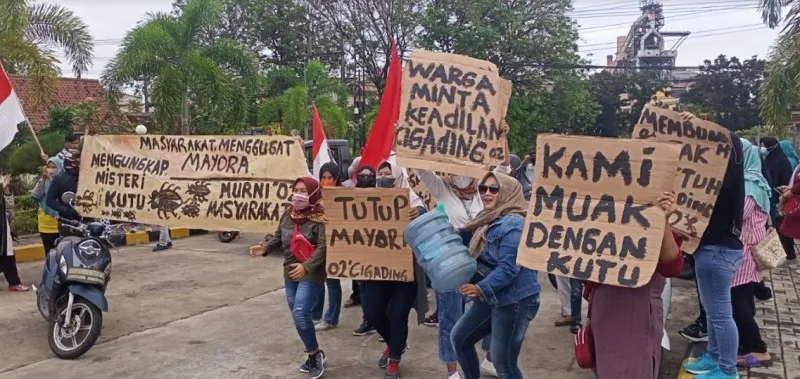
<point x="493" y="189"/>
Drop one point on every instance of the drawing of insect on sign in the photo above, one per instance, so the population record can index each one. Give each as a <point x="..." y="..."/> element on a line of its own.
<point x="206" y="182"/>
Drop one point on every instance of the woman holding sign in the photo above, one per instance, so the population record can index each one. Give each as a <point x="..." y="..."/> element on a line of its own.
<point x="389" y="303"/>
<point x="301" y="236"/>
<point x="506" y="299"/>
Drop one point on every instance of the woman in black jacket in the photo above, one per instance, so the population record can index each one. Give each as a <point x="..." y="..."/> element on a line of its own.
<point x="779" y="168"/>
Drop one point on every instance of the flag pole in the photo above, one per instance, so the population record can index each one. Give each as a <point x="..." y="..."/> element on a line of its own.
<point x="33" y="132"/>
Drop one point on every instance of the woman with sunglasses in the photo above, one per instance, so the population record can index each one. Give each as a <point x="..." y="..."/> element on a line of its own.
<point x="301" y="236"/>
<point x="389" y="303"/>
<point x="506" y="299"/>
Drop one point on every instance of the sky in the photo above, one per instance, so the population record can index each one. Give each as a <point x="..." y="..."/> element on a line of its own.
<point x="730" y="27"/>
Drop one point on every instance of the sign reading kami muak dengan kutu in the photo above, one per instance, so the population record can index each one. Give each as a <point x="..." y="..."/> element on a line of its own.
<point x="364" y="234"/>
<point x="205" y="182"/>
<point x="705" y="150"/>
<point x="594" y="211"/>
<point x="451" y="108"/>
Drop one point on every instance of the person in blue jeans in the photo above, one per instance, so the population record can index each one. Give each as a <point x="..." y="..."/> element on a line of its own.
<point x="329" y="176"/>
<point x="716" y="261"/>
<point x="303" y="266"/>
<point x="506" y="299"/>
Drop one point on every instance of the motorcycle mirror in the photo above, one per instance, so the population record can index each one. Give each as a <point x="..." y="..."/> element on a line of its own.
<point x="68" y="198"/>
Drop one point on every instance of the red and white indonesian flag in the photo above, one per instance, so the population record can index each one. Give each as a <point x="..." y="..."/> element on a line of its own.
<point x="11" y="113"/>
<point x="322" y="153"/>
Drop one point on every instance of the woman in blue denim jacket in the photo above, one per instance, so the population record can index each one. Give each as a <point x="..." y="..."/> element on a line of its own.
<point x="506" y="299"/>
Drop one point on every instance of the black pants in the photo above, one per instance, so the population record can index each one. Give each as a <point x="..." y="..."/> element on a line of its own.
<point x="8" y="265"/>
<point x="744" y="314"/>
<point x="387" y="307"/>
<point x="788" y="246"/>
<point x="49" y="241"/>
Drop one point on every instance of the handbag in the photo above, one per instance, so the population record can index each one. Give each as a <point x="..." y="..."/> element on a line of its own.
<point x="300" y="247"/>
<point x="584" y="342"/>
<point x="769" y="253"/>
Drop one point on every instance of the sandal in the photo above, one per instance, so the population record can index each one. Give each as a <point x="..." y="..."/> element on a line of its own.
<point x="750" y="361"/>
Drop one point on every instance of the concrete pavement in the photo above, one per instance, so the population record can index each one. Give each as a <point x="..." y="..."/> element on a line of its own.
<point x="207" y="310"/>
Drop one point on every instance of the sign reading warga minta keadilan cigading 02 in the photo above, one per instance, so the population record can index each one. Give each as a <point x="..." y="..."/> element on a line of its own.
<point x="205" y="182"/>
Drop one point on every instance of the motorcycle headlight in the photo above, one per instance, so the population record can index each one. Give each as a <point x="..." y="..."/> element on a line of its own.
<point x="62" y="265"/>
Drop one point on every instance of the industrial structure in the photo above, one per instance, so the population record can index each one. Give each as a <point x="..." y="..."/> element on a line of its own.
<point x="644" y="45"/>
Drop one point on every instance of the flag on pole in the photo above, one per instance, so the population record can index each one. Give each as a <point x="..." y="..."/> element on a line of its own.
<point x="11" y="113"/>
<point x="379" y="144"/>
<point x="322" y="153"/>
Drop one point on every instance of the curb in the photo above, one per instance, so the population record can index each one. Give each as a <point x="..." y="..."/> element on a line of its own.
<point x="35" y="252"/>
<point x="694" y="350"/>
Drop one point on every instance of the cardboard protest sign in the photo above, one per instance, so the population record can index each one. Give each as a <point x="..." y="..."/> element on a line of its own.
<point x="206" y="182"/>
<point x="364" y="234"/>
<point x="419" y="188"/>
<point x="594" y="211"/>
<point x="705" y="149"/>
<point x="450" y="113"/>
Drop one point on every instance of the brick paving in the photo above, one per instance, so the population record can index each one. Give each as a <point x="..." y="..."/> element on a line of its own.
<point x="779" y="320"/>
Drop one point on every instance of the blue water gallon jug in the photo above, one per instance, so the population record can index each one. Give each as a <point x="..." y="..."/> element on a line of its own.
<point x="440" y="251"/>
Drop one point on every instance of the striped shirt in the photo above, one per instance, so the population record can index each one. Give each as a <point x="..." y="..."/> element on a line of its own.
<point x="753" y="231"/>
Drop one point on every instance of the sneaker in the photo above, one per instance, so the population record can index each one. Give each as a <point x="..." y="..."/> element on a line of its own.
<point x="380" y="338"/>
<point x="392" y="370"/>
<point x="717" y="373"/>
<point x="363" y="330"/>
<point x="323" y="326"/>
<point x="161" y="247"/>
<point x="305" y="366"/>
<point x="315" y="365"/>
<point x="432" y="320"/>
<point x="694" y="333"/>
<point x="702" y="365"/>
<point x="384" y="359"/>
<point x="454" y="375"/>
<point x="574" y="328"/>
<point x="19" y="288"/>
<point x="488" y="368"/>
<point x="351" y="303"/>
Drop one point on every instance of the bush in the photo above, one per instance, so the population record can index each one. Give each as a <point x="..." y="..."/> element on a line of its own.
<point x="24" y="203"/>
<point x="61" y="119"/>
<point x="25" y="223"/>
<point x="25" y="159"/>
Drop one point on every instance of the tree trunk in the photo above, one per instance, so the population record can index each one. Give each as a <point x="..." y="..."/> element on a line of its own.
<point x="185" y="113"/>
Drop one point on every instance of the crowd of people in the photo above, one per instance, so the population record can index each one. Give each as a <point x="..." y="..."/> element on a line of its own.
<point x="498" y="305"/>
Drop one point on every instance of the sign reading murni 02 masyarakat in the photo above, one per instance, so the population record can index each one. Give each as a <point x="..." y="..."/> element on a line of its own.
<point x="206" y="182"/>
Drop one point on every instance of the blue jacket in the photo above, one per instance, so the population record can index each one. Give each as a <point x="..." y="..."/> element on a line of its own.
<point x="506" y="283"/>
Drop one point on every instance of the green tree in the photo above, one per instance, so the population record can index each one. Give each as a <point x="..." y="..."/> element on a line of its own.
<point x="206" y="84"/>
<point x="726" y="90"/>
<point x="781" y="89"/>
<point x="25" y="158"/>
<point x="292" y="107"/>
<point x="29" y="32"/>
<point x="621" y="96"/>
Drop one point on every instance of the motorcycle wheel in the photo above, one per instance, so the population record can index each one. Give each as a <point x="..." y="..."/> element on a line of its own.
<point x="75" y="340"/>
<point x="227" y="236"/>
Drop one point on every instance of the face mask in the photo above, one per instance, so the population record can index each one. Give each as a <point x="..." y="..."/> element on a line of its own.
<point x="763" y="151"/>
<point x="328" y="183"/>
<point x="300" y="201"/>
<point x="462" y="182"/>
<point x="365" y="181"/>
<point x="386" y="182"/>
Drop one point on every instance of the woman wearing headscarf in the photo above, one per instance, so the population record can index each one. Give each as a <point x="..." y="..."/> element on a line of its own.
<point x="507" y="298"/>
<point x="628" y="323"/>
<point x="47" y="217"/>
<point x="8" y="263"/>
<point x="329" y="176"/>
<point x="788" y="149"/>
<point x="389" y="303"/>
<point x="752" y="349"/>
<point x="301" y="237"/>
<point x="780" y="175"/>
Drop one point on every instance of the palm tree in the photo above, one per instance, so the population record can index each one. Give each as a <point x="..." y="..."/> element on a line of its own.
<point x="192" y="78"/>
<point x="781" y="88"/>
<point x="28" y="34"/>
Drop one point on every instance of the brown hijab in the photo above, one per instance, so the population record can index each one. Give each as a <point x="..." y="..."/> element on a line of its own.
<point x="509" y="201"/>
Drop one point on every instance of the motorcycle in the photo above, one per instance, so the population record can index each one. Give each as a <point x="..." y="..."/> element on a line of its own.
<point x="71" y="294"/>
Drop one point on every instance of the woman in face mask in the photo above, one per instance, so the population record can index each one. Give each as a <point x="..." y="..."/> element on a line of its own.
<point x="329" y="176"/>
<point x="389" y="303"/>
<point x="301" y="238"/>
<point x="459" y="197"/>
<point x="47" y="217"/>
<point x="366" y="177"/>
<point x="779" y="176"/>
